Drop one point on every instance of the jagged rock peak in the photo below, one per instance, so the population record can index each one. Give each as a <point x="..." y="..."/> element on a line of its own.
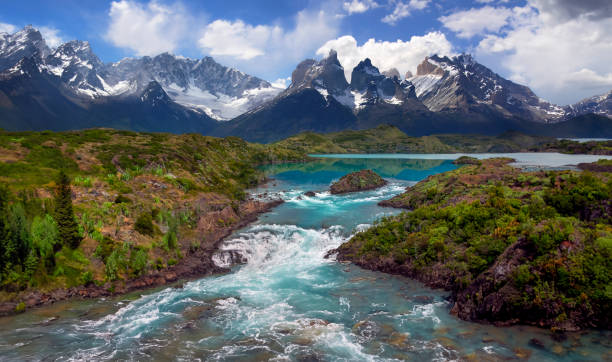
<point x="297" y="76"/>
<point x="429" y="66"/>
<point x="327" y="75"/>
<point x="392" y="73"/>
<point x="364" y="74"/>
<point x="27" y="42"/>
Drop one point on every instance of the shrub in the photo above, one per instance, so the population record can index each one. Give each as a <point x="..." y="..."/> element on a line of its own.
<point x="138" y="261"/>
<point x="121" y="199"/>
<point x="20" y="308"/>
<point x="105" y="248"/>
<point x="87" y="278"/>
<point x="144" y="224"/>
<point x="114" y="264"/>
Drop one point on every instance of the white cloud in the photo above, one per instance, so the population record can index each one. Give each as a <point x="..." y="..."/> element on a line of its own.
<point x="564" y="59"/>
<point x="263" y="49"/>
<point x="7" y="28"/>
<point x="281" y="82"/>
<point x="51" y="35"/>
<point x="147" y="29"/>
<point x="468" y="23"/>
<point x="402" y="9"/>
<point x="237" y="39"/>
<point x="402" y="55"/>
<point x="359" y="6"/>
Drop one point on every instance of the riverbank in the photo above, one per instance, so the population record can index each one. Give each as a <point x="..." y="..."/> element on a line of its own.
<point x="512" y="247"/>
<point x="142" y="209"/>
<point x="197" y="263"/>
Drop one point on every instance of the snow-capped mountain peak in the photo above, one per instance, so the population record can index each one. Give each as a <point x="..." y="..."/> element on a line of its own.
<point x="203" y="85"/>
<point x="26" y="43"/>
<point x="459" y="83"/>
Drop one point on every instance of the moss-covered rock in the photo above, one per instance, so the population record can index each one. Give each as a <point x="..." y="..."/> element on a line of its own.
<point x="357" y="181"/>
<point x="20" y="308"/>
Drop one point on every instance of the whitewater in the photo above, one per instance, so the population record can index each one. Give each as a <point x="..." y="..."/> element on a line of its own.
<point x="286" y="298"/>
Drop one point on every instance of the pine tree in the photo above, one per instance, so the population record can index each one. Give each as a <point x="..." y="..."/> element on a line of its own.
<point x="18" y="241"/>
<point x="64" y="215"/>
<point x="4" y="198"/>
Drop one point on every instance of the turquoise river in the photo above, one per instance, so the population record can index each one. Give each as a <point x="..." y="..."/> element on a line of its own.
<point x="287" y="301"/>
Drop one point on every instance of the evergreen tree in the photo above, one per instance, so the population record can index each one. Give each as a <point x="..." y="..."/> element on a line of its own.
<point x="4" y="198"/>
<point x="64" y="215"/>
<point x="18" y="243"/>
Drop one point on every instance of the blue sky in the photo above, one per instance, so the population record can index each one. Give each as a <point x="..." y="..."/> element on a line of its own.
<point x="560" y="48"/>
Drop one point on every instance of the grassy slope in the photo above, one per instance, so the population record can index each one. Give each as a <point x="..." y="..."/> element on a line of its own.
<point x="512" y="246"/>
<point x="389" y="139"/>
<point x="194" y="182"/>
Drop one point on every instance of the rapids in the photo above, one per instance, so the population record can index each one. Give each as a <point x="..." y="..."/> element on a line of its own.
<point x="284" y="300"/>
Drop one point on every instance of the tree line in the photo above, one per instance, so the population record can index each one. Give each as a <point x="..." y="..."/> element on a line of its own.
<point x="30" y="239"/>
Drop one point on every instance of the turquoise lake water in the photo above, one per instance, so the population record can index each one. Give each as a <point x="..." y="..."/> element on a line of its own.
<point x="287" y="301"/>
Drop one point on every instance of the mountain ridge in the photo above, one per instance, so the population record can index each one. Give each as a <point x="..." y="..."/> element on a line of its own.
<point x="73" y="89"/>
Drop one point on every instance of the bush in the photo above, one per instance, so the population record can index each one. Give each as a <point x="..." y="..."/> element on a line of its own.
<point x="20" y="308"/>
<point x="114" y="264"/>
<point x="121" y="199"/>
<point x="144" y="224"/>
<point x="87" y="278"/>
<point x="105" y="248"/>
<point x="138" y="261"/>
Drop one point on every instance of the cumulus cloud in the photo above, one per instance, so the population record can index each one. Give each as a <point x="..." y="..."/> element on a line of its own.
<point x="7" y="28"/>
<point x="402" y="55"/>
<point x="476" y="21"/>
<point x="567" y="9"/>
<point x="52" y="36"/>
<point x="281" y="82"/>
<point x="359" y="6"/>
<point x="264" y="48"/>
<point x="237" y="39"/>
<point x="403" y="9"/>
<point x="147" y="29"/>
<point x="564" y="59"/>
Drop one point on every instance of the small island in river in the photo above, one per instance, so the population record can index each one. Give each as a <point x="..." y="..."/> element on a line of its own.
<point x="357" y="181"/>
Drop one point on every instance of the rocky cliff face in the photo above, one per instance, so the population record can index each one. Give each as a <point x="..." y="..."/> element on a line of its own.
<point x="462" y="84"/>
<point x="26" y="43"/>
<point x="601" y="105"/>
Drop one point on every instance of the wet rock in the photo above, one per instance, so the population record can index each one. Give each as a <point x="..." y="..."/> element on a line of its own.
<point x="310" y="194"/>
<point x="522" y="353"/>
<point x="399" y="340"/>
<point x="558" y="350"/>
<point x="422" y="299"/>
<point x="365" y="330"/>
<point x="536" y="343"/>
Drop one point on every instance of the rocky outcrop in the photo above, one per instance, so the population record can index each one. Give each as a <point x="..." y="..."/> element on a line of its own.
<point x="466" y="160"/>
<point x="357" y="181"/>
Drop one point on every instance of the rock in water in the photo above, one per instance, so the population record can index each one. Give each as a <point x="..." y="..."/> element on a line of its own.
<point x="357" y="181"/>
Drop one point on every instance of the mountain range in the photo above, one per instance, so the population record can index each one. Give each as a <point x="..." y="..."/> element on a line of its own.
<point x="69" y="87"/>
